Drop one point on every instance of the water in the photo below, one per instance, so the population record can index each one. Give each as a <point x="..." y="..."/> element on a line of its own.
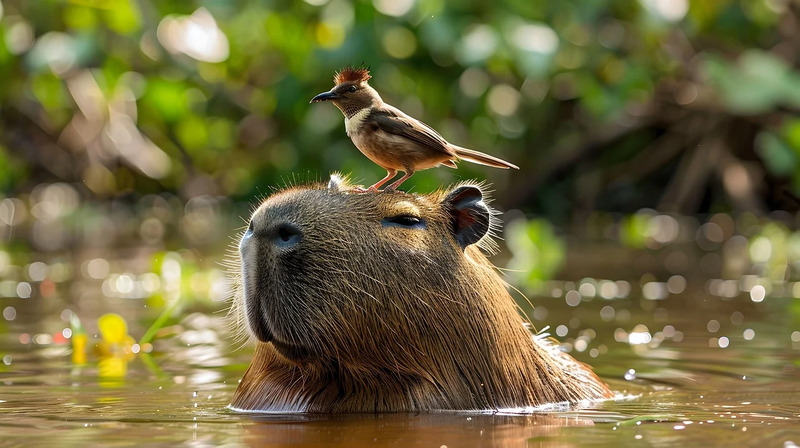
<point x="697" y="359"/>
<point x="685" y="389"/>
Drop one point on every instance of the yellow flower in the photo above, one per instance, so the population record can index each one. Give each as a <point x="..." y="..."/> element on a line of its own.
<point x="113" y="328"/>
<point x="112" y="367"/>
<point x="79" y="340"/>
<point x="79" y="348"/>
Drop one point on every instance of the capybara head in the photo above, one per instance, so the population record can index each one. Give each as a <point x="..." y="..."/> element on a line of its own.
<point x="381" y="302"/>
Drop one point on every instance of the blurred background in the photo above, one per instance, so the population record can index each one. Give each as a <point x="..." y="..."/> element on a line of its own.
<point x="678" y="106"/>
<point x="658" y="143"/>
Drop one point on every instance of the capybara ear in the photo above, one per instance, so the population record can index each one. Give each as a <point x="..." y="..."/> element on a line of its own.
<point x="337" y="182"/>
<point x="469" y="215"/>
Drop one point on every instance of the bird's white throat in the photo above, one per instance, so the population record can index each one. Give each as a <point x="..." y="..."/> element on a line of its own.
<point x="353" y="124"/>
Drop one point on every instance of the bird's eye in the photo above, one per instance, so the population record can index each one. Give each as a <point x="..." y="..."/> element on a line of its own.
<point x="351" y="89"/>
<point x="407" y="221"/>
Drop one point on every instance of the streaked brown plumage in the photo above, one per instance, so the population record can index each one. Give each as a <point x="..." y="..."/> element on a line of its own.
<point x="388" y="136"/>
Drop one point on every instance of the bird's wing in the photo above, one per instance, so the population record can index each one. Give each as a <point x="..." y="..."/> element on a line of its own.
<point x="394" y="121"/>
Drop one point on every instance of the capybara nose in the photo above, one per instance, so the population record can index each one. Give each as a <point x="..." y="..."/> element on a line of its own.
<point x="287" y="235"/>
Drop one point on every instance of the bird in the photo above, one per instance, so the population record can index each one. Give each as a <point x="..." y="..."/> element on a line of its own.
<point x="389" y="137"/>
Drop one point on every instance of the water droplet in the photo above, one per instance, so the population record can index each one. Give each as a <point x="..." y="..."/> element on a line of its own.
<point x="630" y="375"/>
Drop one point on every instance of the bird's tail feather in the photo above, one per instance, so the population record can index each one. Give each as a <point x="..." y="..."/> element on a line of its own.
<point x="482" y="159"/>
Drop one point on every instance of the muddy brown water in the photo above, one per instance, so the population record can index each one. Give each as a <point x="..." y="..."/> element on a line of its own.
<point x="691" y="368"/>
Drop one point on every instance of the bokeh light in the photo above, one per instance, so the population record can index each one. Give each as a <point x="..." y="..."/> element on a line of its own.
<point x="196" y="36"/>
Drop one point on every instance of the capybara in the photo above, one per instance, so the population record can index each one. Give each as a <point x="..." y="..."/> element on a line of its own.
<point x="385" y="302"/>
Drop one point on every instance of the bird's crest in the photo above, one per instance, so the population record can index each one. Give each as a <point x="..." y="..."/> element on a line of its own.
<point x="352" y="74"/>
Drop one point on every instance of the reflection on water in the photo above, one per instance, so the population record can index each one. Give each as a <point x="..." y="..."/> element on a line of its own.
<point x="679" y="390"/>
<point x="682" y="392"/>
<point x="407" y="430"/>
<point x="696" y="323"/>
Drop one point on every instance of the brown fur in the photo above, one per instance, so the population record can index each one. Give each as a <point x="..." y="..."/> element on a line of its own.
<point x="364" y="317"/>
<point x="352" y="74"/>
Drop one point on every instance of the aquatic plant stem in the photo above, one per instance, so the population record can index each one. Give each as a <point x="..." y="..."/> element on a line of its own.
<point x="159" y="322"/>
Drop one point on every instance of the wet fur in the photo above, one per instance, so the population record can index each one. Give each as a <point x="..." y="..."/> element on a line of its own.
<point x="386" y="320"/>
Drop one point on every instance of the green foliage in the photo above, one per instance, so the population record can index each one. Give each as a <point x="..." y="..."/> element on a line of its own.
<point x="225" y="90"/>
<point x="166" y="99"/>
<point x="774" y="249"/>
<point x="757" y="83"/>
<point x="778" y="156"/>
<point x="537" y="252"/>
<point x="11" y="170"/>
<point x="634" y="230"/>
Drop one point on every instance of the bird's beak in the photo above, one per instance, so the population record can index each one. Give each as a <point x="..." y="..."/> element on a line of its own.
<point x="324" y="96"/>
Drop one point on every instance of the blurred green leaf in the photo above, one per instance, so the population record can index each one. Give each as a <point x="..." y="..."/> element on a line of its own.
<point x="779" y="157"/>
<point x="758" y="82"/>
<point x="12" y="170"/>
<point x="791" y="132"/>
<point x="166" y="98"/>
<point x="122" y="16"/>
<point x="192" y="131"/>
<point x="706" y="13"/>
<point x="633" y="231"/>
<point x="80" y="16"/>
<point x="537" y="252"/>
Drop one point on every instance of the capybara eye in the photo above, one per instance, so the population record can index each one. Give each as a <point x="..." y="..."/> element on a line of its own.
<point x="409" y="221"/>
<point x="288" y="235"/>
